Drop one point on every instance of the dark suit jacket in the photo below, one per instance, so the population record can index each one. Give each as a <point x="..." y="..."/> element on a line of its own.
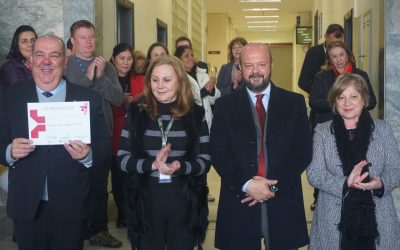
<point x="319" y="93"/>
<point x="288" y="145"/>
<point x="224" y="82"/>
<point x="68" y="180"/>
<point x="314" y="59"/>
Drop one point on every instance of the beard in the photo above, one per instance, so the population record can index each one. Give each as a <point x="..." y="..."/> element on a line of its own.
<point x="254" y="87"/>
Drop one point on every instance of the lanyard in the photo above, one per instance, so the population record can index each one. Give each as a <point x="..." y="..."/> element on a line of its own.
<point x="164" y="133"/>
<point x="80" y="64"/>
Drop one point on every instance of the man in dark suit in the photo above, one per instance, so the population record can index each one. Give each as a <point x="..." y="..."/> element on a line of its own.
<point x="260" y="144"/>
<point x="313" y="61"/>
<point x="316" y="56"/>
<point x="48" y="185"/>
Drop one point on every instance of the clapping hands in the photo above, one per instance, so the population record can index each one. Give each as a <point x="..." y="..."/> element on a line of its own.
<point x="160" y="162"/>
<point x="356" y="178"/>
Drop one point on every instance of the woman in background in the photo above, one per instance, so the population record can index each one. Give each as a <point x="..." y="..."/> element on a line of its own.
<point x="230" y="75"/>
<point x="122" y="60"/>
<point x="18" y="66"/>
<point x="164" y="148"/>
<point x="155" y="51"/>
<point x="204" y="91"/>
<point x="139" y="61"/>
<point x="137" y="76"/>
<point x="339" y="60"/>
<point x="355" y="166"/>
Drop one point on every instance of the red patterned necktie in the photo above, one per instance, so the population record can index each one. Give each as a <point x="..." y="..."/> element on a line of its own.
<point x="261" y="119"/>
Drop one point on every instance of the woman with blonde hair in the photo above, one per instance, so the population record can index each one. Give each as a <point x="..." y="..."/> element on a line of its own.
<point x="339" y="60"/>
<point x="355" y="166"/>
<point x="164" y="148"/>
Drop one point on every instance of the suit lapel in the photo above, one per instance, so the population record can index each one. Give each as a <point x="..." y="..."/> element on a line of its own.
<point x="69" y="95"/>
<point x="30" y="92"/>
<point x="273" y="109"/>
<point x="244" y="109"/>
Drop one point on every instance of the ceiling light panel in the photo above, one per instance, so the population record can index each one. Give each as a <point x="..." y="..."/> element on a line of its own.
<point x="261" y="9"/>
<point x="261" y="26"/>
<point x="259" y="30"/>
<point x="263" y="22"/>
<point x="252" y="17"/>
<point x="259" y="1"/>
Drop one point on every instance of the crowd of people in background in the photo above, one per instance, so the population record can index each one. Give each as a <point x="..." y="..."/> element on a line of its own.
<point x="160" y="121"/>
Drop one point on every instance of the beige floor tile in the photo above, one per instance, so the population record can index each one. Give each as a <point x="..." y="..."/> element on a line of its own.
<point x="214" y="185"/>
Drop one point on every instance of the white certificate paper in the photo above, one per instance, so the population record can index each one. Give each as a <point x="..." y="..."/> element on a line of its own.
<point x="55" y="123"/>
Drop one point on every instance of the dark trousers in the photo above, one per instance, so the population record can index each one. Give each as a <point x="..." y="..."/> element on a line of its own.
<point x="170" y="230"/>
<point x="118" y="178"/>
<point x="98" y="217"/>
<point x="45" y="233"/>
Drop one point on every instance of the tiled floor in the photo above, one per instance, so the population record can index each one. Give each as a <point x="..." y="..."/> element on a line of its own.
<point x="213" y="182"/>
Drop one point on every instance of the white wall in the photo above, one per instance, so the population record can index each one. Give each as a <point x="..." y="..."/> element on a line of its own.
<point x="218" y="38"/>
<point x="267" y="36"/>
<point x="146" y="14"/>
<point x="361" y="8"/>
<point x="334" y="12"/>
<point x="145" y="19"/>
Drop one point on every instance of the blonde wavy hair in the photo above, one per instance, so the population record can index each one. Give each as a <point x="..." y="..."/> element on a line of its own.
<point x="184" y="96"/>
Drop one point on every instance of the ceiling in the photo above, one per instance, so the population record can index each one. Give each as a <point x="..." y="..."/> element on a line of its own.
<point x="288" y="10"/>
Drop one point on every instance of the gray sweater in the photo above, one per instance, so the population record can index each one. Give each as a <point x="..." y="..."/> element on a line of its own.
<point x="107" y="87"/>
<point x="326" y="174"/>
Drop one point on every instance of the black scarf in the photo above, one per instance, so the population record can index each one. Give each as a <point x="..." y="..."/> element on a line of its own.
<point x="357" y="225"/>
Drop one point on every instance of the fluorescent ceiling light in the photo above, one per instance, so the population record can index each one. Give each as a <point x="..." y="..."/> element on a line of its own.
<point x="263" y="21"/>
<point x="263" y="30"/>
<point x="261" y="16"/>
<point x="260" y="1"/>
<point x="261" y="9"/>
<point x="261" y="26"/>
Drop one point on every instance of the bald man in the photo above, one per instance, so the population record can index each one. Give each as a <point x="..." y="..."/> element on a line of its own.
<point x="260" y="144"/>
<point x="48" y="185"/>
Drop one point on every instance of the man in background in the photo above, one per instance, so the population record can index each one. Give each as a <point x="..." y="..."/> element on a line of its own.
<point x="316" y="56"/>
<point x="94" y="72"/>
<point x="313" y="61"/>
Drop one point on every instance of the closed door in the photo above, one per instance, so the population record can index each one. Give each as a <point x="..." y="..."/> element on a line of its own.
<point x="282" y="67"/>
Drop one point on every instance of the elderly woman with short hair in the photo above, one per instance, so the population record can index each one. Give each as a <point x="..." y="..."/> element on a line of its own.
<point x="355" y="166"/>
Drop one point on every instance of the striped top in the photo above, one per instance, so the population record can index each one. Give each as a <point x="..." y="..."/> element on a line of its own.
<point x="152" y="141"/>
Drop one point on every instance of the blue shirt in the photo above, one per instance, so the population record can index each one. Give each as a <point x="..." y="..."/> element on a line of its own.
<point x="58" y="95"/>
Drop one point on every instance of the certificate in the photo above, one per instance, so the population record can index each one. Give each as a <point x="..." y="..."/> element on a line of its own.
<point x="55" y="123"/>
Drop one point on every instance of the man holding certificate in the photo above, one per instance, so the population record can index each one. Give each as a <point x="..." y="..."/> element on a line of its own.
<point x="49" y="180"/>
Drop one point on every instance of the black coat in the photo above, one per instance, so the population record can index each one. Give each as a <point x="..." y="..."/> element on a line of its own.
<point x="224" y="82"/>
<point x="13" y="71"/>
<point x="68" y="180"/>
<point x="314" y="59"/>
<point x="319" y="93"/>
<point x="288" y="145"/>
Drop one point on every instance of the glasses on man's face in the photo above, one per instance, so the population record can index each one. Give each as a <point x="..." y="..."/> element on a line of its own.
<point x="26" y="42"/>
